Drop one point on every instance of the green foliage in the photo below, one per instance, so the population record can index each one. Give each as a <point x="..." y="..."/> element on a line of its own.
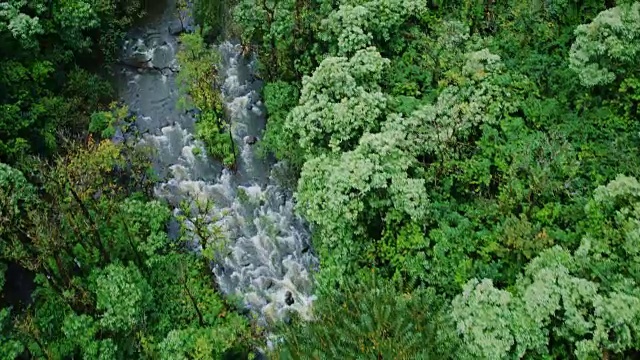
<point x="143" y="224"/>
<point x="443" y="142"/>
<point x="286" y="33"/>
<point x="198" y="70"/>
<point x="370" y="318"/>
<point x="280" y="97"/>
<point x="110" y="283"/>
<point x="10" y="348"/>
<point x="105" y="123"/>
<point x="207" y="327"/>
<point x="353" y="27"/>
<point x="348" y="195"/>
<point x="198" y="80"/>
<point x="22" y="27"/>
<point x="339" y="103"/>
<point x="195" y="217"/>
<point x="199" y="343"/>
<point x="45" y="87"/>
<point x="212" y="15"/>
<point x="122" y="296"/>
<point x="16" y="196"/>
<point x="607" y="48"/>
<point x="587" y="300"/>
<point x="216" y="138"/>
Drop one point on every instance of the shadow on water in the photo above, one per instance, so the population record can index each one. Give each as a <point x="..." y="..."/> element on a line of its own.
<point x="154" y="11"/>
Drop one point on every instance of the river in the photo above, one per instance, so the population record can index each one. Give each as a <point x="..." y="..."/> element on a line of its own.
<point x="268" y="253"/>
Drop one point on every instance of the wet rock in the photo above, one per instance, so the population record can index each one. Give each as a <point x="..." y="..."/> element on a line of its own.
<point x="250" y="140"/>
<point x="139" y="57"/>
<point x="306" y="249"/>
<point x="288" y="298"/>
<point x="176" y="30"/>
<point x="141" y="61"/>
<point x="118" y="138"/>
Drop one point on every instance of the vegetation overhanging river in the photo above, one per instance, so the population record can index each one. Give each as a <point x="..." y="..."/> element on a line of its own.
<point x="267" y="257"/>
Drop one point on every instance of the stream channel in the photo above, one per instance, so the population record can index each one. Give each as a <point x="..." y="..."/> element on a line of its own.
<point x="268" y="252"/>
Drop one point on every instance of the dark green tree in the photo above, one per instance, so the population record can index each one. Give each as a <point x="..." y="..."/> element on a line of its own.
<point x="369" y="318"/>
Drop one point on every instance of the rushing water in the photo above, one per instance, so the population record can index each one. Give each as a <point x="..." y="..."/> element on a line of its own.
<point x="268" y="252"/>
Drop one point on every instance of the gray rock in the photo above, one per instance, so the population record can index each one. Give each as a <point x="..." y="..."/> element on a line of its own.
<point x="176" y="30"/>
<point x="250" y="140"/>
<point x="138" y="60"/>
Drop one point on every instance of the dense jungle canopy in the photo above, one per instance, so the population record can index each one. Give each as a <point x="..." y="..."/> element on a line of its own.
<point x="468" y="167"/>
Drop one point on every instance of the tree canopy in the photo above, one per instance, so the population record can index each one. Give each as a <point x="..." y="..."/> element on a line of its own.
<point x="484" y="151"/>
<point x="468" y="170"/>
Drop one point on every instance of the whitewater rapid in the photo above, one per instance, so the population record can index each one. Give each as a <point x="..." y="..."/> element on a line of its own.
<point x="266" y="251"/>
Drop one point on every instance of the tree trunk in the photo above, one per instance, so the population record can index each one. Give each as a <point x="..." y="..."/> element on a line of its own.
<point x="94" y="226"/>
<point x="133" y="248"/>
<point x="194" y="303"/>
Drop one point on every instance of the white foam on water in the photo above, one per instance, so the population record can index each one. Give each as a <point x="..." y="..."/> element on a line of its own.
<point x="267" y="250"/>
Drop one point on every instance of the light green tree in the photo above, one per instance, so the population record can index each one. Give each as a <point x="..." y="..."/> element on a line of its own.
<point x="123" y="296"/>
<point x="198" y="79"/>
<point x="480" y="92"/>
<point x="349" y="195"/>
<point x="607" y="48"/>
<point x="586" y="302"/>
<point x="339" y="102"/>
<point x="75" y="19"/>
<point x="348" y="25"/>
<point x="355" y="24"/>
<point x="81" y="331"/>
<point x="22" y="26"/>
